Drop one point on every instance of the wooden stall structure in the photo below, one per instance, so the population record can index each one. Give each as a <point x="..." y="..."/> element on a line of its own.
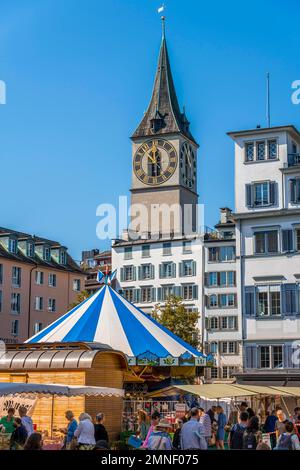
<point x="73" y="364"/>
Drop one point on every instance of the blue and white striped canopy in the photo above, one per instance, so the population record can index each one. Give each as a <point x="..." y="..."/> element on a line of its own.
<point x="106" y="317"/>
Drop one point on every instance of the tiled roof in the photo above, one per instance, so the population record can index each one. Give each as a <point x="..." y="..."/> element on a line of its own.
<point x="70" y="265"/>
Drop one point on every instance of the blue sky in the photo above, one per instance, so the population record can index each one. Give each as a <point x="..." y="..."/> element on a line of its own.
<point x="79" y="76"/>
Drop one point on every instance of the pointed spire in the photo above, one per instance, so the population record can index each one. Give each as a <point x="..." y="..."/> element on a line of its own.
<point x="163" y="115"/>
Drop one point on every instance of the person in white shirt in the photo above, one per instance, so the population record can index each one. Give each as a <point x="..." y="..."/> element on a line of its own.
<point x="26" y="420"/>
<point x="85" y="432"/>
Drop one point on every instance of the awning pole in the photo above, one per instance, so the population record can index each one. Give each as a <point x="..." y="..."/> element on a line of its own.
<point x="52" y="415"/>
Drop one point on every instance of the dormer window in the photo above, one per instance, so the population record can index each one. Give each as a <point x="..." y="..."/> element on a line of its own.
<point x="30" y="249"/>
<point x="62" y="257"/>
<point x="47" y="253"/>
<point x="13" y="245"/>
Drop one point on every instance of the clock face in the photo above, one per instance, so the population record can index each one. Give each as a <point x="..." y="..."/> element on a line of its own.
<point x="155" y="162"/>
<point x="188" y="165"/>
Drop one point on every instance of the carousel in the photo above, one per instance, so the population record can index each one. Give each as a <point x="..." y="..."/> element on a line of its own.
<point x="105" y="341"/>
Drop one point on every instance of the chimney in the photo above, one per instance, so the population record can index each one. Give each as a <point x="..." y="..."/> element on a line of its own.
<point x="225" y="215"/>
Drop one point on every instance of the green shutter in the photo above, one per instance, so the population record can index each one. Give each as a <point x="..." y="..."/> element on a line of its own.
<point x="194" y="268"/>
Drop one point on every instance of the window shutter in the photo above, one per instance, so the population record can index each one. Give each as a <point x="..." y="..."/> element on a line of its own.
<point x="153" y="294"/>
<point x="218" y="279"/>
<point x="249" y="195"/>
<point x="234" y="278"/>
<point x="133" y="273"/>
<point x="289" y="299"/>
<point x="272" y="189"/>
<point x="250" y="357"/>
<point x="136" y="295"/>
<point x="152" y="271"/>
<point x="180" y="269"/>
<point x="159" y="294"/>
<point x="207" y="301"/>
<point x="219" y="300"/>
<point x="206" y="280"/>
<point x="194" y="268"/>
<point x="122" y="274"/>
<point x="177" y="291"/>
<point x="293" y="191"/>
<point x="160" y="271"/>
<point x="195" y="292"/>
<point x="250" y="306"/>
<point x="288" y="356"/>
<point x="173" y="269"/>
<point x="287" y="240"/>
<point x="235" y="300"/>
<point x="140" y="272"/>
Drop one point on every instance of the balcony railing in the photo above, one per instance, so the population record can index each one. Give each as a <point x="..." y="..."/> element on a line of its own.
<point x="294" y="159"/>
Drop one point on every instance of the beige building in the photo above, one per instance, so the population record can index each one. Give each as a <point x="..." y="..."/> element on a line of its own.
<point x="38" y="282"/>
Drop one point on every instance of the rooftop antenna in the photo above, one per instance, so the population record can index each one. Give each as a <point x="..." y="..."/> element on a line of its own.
<point x="268" y="113"/>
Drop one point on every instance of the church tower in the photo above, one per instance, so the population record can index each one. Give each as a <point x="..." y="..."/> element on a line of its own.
<point x="164" y="161"/>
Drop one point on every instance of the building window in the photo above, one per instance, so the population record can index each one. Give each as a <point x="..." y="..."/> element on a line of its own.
<point x="167" y="270"/>
<point x="271" y="357"/>
<point x="295" y="190"/>
<point x="51" y="305"/>
<point x="16" y="276"/>
<point x="272" y="149"/>
<point x="52" y="280"/>
<point x="129" y="294"/>
<point x="146" y="294"/>
<point x="214" y="374"/>
<point x="228" y="347"/>
<point x="187" y="247"/>
<point x="167" y="291"/>
<point x="146" y="271"/>
<point x="145" y="251"/>
<point x="187" y="268"/>
<point x="76" y="285"/>
<point x="37" y="327"/>
<point x="229" y="323"/>
<point x="128" y="273"/>
<point x="15" y="327"/>
<point x="30" y="249"/>
<point x="214" y="347"/>
<point x="268" y="300"/>
<point x="261" y="194"/>
<point x="297" y="241"/>
<point x="39" y="303"/>
<point x="187" y="292"/>
<point x="12" y="245"/>
<point x="221" y="254"/>
<point x="260" y="150"/>
<point x="228" y="372"/>
<point x="212" y="301"/>
<point x="227" y="300"/>
<point x="266" y="242"/>
<point x="212" y="279"/>
<point x="249" y="147"/>
<point x="214" y="323"/>
<point x="128" y="252"/>
<point x="39" y="277"/>
<point x="63" y="257"/>
<point x="47" y="253"/>
<point x="167" y="249"/>
<point x="15" y="302"/>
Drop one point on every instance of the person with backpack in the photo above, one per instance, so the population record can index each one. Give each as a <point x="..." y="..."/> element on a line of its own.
<point x="236" y="435"/>
<point x="160" y="438"/>
<point x="252" y="434"/>
<point x="288" y="439"/>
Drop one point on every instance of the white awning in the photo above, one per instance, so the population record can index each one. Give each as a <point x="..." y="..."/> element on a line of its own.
<point x="58" y="389"/>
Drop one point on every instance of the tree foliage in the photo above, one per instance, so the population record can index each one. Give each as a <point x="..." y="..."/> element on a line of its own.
<point x="173" y="315"/>
<point x="83" y="295"/>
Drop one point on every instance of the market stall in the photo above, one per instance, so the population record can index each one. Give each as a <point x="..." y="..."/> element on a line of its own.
<point x="74" y="364"/>
<point x="15" y="393"/>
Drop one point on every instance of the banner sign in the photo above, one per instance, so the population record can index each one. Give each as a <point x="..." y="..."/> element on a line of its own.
<point x="15" y="402"/>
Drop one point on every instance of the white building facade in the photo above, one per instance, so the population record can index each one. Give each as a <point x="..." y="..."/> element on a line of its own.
<point x="223" y="324"/>
<point x="267" y="201"/>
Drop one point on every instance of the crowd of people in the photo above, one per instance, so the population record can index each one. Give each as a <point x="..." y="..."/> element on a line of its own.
<point x="78" y="435"/>
<point x="197" y="430"/>
<point x="200" y="430"/>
